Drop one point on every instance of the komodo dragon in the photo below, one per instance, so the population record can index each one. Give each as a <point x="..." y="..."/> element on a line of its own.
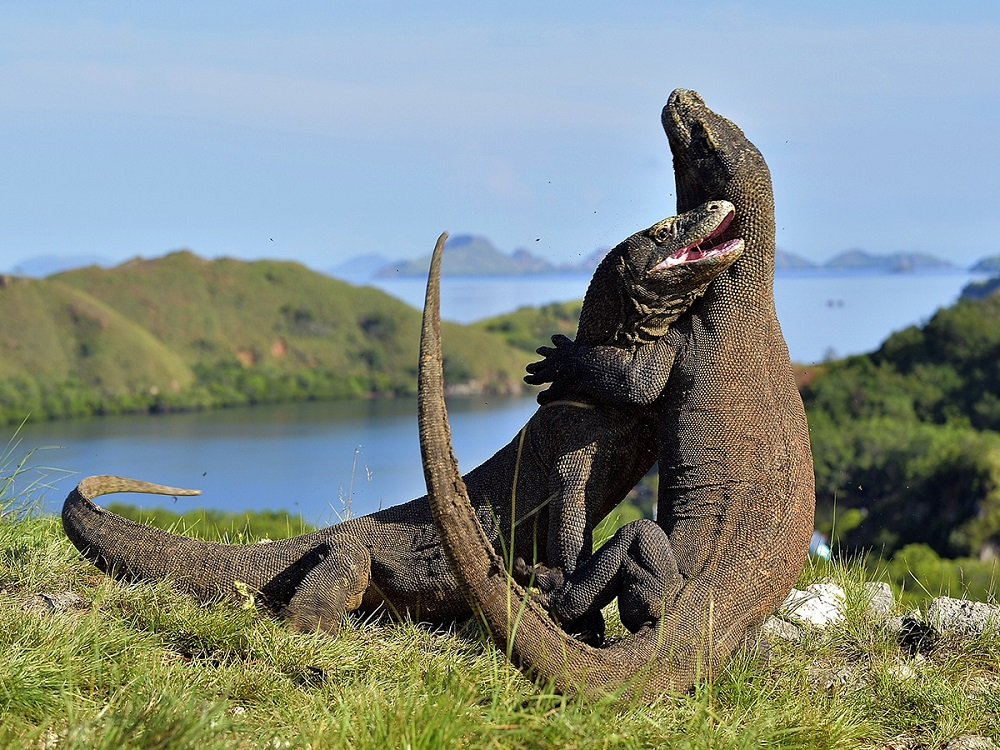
<point x="579" y="459"/>
<point x="736" y="479"/>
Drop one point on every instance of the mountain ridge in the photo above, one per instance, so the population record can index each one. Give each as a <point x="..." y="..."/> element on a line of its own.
<point x="475" y="255"/>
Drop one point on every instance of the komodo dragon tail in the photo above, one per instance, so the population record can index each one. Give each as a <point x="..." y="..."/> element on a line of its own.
<point x="114" y="544"/>
<point x="650" y="662"/>
<point x="310" y="580"/>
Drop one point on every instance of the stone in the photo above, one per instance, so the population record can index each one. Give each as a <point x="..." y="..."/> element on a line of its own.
<point x="820" y="605"/>
<point x="59" y="602"/>
<point x="901" y="742"/>
<point x="971" y="742"/>
<point x="962" y="617"/>
<point x="779" y="629"/>
<point x="881" y="602"/>
<point x="907" y="670"/>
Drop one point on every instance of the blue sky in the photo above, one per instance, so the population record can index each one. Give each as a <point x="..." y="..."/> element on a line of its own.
<point x="319" y="131"/>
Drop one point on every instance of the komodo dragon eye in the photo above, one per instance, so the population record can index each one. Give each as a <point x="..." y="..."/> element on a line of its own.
<point x="665" y="232"/>
<point x="703" y="137"/>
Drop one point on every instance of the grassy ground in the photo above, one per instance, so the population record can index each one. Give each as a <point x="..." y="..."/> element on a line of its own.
<point x="89" y="663"/>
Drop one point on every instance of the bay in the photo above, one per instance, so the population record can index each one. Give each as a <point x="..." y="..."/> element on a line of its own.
<point x="823" y="314"/>
<point x="323" y="460"/>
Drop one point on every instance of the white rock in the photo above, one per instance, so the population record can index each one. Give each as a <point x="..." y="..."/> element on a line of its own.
<point x="881" y="602"/>
<point x="903" y="671"/>
<point x="971" y="742"/>
<point x="947" y="615"/>
<point x="820" y="605"/>
<point x="774" y="627"/>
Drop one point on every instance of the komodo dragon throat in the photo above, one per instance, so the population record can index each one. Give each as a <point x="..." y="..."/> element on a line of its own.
<point x="572" y="459"/>
<point x="736" y="478"/>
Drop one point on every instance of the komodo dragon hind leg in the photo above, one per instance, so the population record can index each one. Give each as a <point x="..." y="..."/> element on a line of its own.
<point x="637" y="566"/>
<point x="332" y="588"/>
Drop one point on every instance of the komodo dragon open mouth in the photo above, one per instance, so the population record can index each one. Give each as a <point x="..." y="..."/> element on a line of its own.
<point x="708" y="247"/>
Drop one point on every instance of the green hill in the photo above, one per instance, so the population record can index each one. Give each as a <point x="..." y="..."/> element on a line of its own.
<point x="184" y="332"/>
<point x="531" y="327"/>
<point x="906" y="440"/>
<point x="56" y="332"/>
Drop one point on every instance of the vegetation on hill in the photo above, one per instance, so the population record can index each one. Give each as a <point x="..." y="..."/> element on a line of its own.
<point x="183" y="332"/>
<point x="907" y="439"/>
<point x="981" y="289"/>
<point x="532" y="327"/>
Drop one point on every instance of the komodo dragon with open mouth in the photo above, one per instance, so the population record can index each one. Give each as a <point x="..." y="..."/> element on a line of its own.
<point x="572" y="459"/>
<point x="736" y="479"/>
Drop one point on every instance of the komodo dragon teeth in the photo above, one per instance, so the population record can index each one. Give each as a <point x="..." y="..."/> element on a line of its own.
<point x="736" y="480"/>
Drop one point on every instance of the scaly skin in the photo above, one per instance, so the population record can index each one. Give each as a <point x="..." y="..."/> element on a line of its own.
<point x="571" y="460"/>
<point x="736" y="480"/>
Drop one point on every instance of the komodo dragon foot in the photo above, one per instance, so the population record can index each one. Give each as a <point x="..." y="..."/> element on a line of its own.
<point x="331" y="589"/>
<point x="548" y="586"/>
<point x="636" y="565"/>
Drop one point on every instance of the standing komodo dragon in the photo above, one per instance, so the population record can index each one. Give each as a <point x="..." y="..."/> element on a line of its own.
<point x="736" y="477"/>
<point x="578" y="459"/>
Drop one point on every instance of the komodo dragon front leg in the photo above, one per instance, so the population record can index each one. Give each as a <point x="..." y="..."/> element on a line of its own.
<point x="575" y="460"/>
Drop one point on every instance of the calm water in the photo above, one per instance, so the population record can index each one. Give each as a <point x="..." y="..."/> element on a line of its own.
<point x="310" y="458"/>
<point x="822" y="314"/>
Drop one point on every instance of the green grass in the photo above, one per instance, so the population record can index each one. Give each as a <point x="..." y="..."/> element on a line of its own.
<point x="219" y="526"/>
<point x="119" y="666"/>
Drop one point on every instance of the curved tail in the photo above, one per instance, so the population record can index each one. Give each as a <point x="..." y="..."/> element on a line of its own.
<point x="134" y="552"/>
<point x="650" y="662"/>
<point x="116" y="545"/>
<point x="311" y="579"/>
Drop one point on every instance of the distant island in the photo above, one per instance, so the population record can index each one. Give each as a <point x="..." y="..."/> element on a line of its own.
<point x="987" y="265"/>
<point x="465" y="255"/>
<point x="856" y="259"/>
<point x="474" y="255"/>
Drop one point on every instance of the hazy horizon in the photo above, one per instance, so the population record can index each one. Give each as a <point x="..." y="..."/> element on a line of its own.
<point x="319" y="132"/>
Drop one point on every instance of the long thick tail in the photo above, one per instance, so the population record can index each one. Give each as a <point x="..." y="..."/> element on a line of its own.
<point x="134" y="552"/>
<point x="651" y="662"/>
<point x="311" y="579"/>
<point x="116" y="545"/>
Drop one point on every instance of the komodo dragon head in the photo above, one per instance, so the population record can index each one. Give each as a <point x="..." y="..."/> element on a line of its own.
<point x="713" y="159"/>
<point x="646" y="282"/>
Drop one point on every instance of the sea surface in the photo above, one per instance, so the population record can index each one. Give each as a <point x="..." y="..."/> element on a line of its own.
<point x="327" y="460"/>
<point x="823" y="314"/>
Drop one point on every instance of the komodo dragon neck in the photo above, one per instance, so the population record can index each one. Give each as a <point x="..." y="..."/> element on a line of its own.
<point x="736" y="471"/>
